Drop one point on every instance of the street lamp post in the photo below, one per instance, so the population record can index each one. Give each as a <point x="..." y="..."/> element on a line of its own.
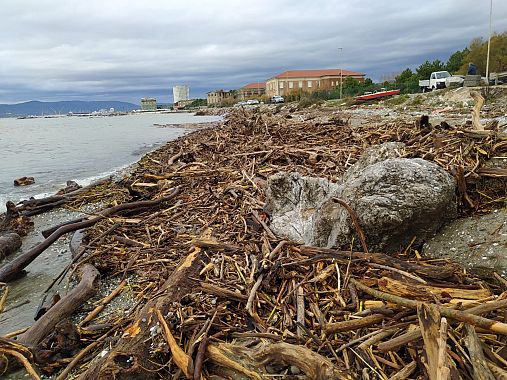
<point x="341" y="76"/>
<point x="489" y="41"/>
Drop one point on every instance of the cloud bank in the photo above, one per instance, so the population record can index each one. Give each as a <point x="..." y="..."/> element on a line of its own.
<point x="56" y="50"/>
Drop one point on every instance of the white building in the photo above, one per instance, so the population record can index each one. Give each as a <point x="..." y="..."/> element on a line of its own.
<point x="180" y="93"/>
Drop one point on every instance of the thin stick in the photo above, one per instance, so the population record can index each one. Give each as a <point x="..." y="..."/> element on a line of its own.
<point x="102" y="303"/>
<point x="355" y="221"/>
<point x="253" y="292"/>
<point x="458" y="315"/>
<point x="23" y="361"/>
<point x="4" y="299"/>
<point x="79" y="356"/>
<point x="182" y="360"/>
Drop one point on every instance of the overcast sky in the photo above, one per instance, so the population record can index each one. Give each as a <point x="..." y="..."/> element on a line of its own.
<point x="123" y="50"/>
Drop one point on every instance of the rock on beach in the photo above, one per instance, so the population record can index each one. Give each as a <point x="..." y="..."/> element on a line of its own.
<point x="396" y="200"/>
<point x="24" y="181"/>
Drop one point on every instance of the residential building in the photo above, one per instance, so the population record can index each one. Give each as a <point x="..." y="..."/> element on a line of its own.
<point x="148" y="104"/>
<point x="308" y="81"/>
<point x="252" y="90"/>
<point x="216" y="98"/>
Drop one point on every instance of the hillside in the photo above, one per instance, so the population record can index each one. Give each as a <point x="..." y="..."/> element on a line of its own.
<point x="63" y="107"/>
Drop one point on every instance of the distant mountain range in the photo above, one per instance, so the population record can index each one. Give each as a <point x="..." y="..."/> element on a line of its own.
<point x="54" y="108"/>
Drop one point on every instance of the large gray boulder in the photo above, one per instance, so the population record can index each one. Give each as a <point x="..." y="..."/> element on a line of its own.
<point x="292" y="201"/>
<point x="375" y="154"/>
<point x="395" y="199"/>
<point x="478" y="243"/>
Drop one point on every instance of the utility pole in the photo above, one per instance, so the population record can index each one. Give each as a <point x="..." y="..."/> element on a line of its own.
<point x="341" y="76"/>
<point x="489" y="41"/>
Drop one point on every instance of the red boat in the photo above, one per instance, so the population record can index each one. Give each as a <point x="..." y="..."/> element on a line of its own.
<point x="377" y="95"/>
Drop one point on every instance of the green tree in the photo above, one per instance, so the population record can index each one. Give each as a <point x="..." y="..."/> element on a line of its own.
<point x="351" y="87"/>
<point x="478" y="50"/>
<point x="456" y="61"/>
<point x="198" y="103"/>
<point x="407" y="82"/>
<point x="424" y="70"/>
<point x="404" y="76"/>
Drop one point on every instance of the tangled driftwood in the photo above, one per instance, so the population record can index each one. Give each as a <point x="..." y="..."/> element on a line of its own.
<point x="218" y="294"/>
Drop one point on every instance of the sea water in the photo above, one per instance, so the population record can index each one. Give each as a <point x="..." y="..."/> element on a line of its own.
<point x="57" y="149"/>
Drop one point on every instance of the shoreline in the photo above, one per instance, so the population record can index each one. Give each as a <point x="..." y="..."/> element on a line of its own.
<point x="23" y="295"/>
<point x="238" y="278"/>
<point x="46" y="183"/>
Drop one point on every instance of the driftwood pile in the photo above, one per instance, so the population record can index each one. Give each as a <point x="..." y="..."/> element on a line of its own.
<point x="219" y="296"/>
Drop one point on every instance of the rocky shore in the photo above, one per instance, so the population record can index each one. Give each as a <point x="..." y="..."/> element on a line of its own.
<point x="287" y="243"/>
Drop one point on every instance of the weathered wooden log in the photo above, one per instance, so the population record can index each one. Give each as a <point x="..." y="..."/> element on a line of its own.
<point x="430" y="271"/>
<point x="13" y="269"/>
<point x="252" y="361"/>
<point x="12" y="221"/>
<point x="135" y="343"/>
<point x="43" y="208"/>
<point x="34" y="206"/>
<point x="10" y="242"/>
<point x="476" y="111"/>
<point x="434" y="333"/>
<point x="64" y="308"/>
<point x="479" y="363"/>
<point x="33" y="202"/>
<point x="47" y="232"/>
<point x="353" y="324"/>
<point x="426" y="292"/>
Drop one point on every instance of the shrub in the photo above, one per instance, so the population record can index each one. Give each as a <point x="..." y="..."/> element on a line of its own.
<point x="309" y="101"/>
<point x="417" y="100"/>
<point x="396" y="100"/>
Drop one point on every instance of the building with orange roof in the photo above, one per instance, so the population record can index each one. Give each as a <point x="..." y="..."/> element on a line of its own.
<point x="308" y="81"/>
<point x="252" y="90"/>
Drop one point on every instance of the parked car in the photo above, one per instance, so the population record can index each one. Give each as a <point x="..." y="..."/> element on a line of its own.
<point x="242" y="103"/>
<point x="277" y="99"/>
<point x="440" y="79"/>
<point x="252" y="102"/>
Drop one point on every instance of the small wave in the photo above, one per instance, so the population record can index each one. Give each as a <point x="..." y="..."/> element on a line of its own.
<point x="116" y="172"/>
<point x="146" y="149"/>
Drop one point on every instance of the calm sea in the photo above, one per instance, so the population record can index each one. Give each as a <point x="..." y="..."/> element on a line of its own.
<point x="54" y="150"/>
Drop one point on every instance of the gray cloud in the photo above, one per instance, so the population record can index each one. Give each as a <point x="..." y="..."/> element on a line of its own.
<point x="51" y="50"/>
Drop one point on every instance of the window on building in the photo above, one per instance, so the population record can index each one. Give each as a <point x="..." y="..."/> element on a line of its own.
<point x="291" y="84"/>
<point x="300" y="84"/>
<point x="309" y="83"/>
<point x="281" y="85"/>
<point x="332" y="83"/>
